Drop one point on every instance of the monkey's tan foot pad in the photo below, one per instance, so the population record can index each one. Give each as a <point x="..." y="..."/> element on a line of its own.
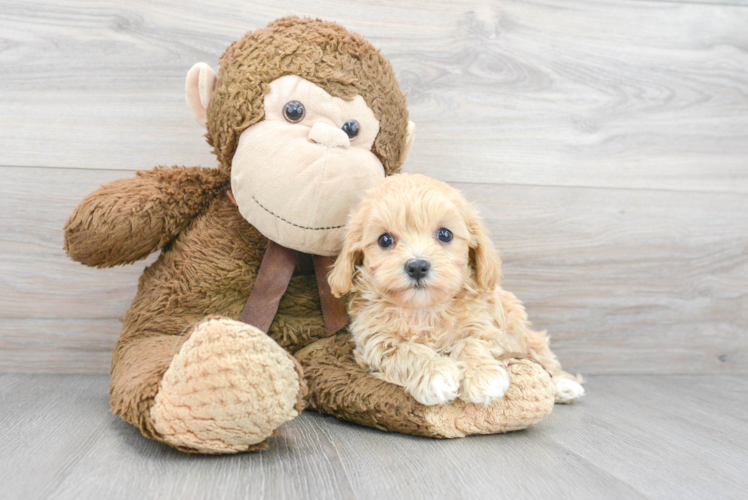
<point x="227" y="390"/>
<point x="340" y="387"/>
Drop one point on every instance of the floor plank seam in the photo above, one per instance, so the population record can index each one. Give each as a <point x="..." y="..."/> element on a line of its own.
<point x="689" y="2"/>
<point x="130" y="172"/>
<point x="70" y="469"/>
<point x="341" y="463"/>
<point x="595" y="466"/>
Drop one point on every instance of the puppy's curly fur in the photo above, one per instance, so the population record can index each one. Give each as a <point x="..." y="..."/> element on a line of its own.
<point x="427" y="310"/>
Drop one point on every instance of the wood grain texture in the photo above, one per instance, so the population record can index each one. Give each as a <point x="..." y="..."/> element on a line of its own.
<point x="58" y="345"/>
<point x="715" y="2"/>
<point x="606" y="142"/>
<point x="626" y="281"/>
<point x="631" y="437"/>
<point x="38" y="279"/>
<point x="614" y="93"/>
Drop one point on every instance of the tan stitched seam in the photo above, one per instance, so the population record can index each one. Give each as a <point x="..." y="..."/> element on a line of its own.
<point x="293" y="224"/>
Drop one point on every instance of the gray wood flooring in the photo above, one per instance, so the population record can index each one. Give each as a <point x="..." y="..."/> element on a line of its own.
<point x="632" y="437"/>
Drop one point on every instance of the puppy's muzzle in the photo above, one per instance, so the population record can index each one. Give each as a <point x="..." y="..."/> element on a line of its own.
<point x="417" y="269"/>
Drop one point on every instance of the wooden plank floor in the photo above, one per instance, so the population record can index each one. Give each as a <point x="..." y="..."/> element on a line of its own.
<point x="631" y="437"/>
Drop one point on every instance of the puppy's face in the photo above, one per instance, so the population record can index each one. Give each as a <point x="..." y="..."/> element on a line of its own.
<point x="415" y="249"/>
<point x="414" y="241"/>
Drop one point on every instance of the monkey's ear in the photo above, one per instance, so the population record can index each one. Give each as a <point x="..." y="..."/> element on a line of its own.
<point x="198" y="87"/>
<point x="410" y="138"/>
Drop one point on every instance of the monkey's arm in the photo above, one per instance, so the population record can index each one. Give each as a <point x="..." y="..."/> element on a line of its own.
<point x="339" y="386"/>
<point x="127" y="219"/>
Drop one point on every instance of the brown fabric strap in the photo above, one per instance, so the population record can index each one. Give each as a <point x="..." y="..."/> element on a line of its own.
<point x="272" y="281"/>
<point x="333" y="308"/>
<point x="273" y="277"/>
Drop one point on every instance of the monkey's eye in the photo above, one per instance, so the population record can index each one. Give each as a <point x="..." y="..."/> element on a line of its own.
<point x="444" y="235"/>
<point x="351" y="128"/>
<point x="386" y="240"/>
<point x="293" y="111"/>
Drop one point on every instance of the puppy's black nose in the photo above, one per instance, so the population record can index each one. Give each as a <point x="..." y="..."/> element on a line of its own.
<point x="417" y="269"/>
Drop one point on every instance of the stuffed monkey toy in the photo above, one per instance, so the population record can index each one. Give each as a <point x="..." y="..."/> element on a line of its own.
<point x="233" y="330"/>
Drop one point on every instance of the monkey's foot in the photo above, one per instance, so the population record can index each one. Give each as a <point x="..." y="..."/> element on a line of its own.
<point x="227" y="390"/>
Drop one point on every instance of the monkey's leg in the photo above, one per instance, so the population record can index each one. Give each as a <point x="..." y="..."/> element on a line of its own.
<point x="223" y="387"/>
<point x="340" y="387"/>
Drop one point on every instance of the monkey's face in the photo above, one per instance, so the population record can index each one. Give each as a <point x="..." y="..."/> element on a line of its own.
<point x="298" y="173"/>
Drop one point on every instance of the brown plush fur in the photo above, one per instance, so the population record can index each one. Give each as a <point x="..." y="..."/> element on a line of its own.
<point x="328" y="55"/>
<point x="128" y="219"/>
<point x="338" y="385"/>
<point x="210" y="255"/>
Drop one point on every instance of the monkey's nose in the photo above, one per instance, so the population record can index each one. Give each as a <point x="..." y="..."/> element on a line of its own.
<point x="329" y="136"/>
<point x="417" y="269"/>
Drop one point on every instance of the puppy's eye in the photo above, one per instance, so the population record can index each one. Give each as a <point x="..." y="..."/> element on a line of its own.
<point x="351" y="128"/>
<point x="386" y="240"/>
<point x="293" y="111"/>
<point x="444" y="235"/>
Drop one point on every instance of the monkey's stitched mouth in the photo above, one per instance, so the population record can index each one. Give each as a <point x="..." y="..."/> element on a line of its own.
<point x="293" y="223"/>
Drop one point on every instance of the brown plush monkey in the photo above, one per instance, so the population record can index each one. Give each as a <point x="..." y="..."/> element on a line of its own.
<point x="303" y="117"/>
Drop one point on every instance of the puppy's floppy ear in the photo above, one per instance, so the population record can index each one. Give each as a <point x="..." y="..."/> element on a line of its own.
<point x="341" y="276"/>
<point x="483" y="255"/>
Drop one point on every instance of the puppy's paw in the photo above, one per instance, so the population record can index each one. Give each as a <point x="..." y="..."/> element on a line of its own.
<point x="485" y="383"/>
<point x="567" y="390"/>
<point x="439" y="384"/>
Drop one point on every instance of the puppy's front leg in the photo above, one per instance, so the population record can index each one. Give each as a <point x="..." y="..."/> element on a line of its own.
<point x="486" y="378"/>
<point x="429" y="378"/>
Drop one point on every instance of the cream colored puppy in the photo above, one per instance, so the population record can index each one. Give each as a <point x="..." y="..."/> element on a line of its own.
<point x="427" y="310"/>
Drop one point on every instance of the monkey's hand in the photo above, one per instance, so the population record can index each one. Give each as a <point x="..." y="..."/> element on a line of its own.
<point x="127" y="219"/>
